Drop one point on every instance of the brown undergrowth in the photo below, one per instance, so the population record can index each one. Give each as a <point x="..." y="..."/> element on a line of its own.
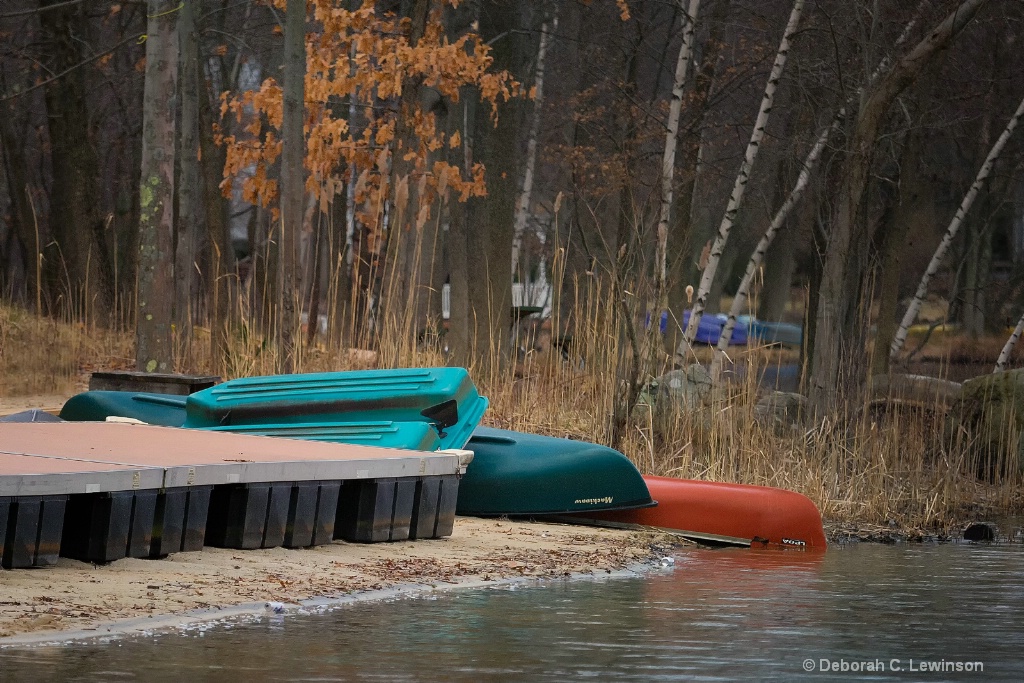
<point x="900" y="468"/>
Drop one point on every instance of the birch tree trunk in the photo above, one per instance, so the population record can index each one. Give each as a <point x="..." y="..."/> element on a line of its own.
<point x="525" y="197"/>
<point x="742" y="178"/>
<point x="834" y="343"/>
<point x="686" y="229"/>
<point x="810" y="163"/>
<point x="153" y="352"/>
<point x="954" y="226"/>
<point x="668" y="160"/>
<point x="781" y="215"/>
<point x="1004" y="355"/>
<point x="292" y="177"/>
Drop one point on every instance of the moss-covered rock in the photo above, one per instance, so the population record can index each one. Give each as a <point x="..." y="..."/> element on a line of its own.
<point x="989" y="420"/>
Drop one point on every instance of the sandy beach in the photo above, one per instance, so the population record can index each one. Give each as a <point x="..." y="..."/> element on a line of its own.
<point x="135" y="595"/>
<point x="78" y="599"/>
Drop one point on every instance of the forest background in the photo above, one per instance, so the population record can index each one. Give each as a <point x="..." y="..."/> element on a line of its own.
<point x="187" y="184"/>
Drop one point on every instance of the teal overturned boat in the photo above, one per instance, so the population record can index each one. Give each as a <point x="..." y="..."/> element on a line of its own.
<point x="166" y="410"/>
<point x="514" y="473"/>
<point x="426" y="409"/>
<point x="443" y="397"/>
<point x="419" y="408"/>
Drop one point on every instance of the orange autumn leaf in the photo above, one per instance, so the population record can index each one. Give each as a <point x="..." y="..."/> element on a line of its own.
<point x="365" y="57"/>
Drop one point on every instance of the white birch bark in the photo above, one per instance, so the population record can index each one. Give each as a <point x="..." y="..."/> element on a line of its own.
<point x="668" y="161"/>
<point x="766" y="240"/>
<point x="810" y="163"/>
<point x="794" y="196"/>
<point x="742" y="178"/>
<point x="954" y="226"/>
<point x="525" y="197"/>
<point x="1004" y="355"/>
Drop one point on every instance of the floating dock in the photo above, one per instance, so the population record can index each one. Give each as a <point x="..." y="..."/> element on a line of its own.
<point x="100" y="491"/>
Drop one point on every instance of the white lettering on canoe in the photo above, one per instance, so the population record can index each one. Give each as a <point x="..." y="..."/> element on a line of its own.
<point x="594" y="501"/>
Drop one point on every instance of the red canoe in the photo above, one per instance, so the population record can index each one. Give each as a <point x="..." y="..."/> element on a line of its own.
<point x="736" y="514"/>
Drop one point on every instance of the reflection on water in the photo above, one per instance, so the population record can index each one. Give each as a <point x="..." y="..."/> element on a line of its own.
<point x="715" y="615"/>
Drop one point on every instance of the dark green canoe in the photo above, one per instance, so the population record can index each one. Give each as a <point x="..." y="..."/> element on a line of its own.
<point x="514" y="473"/>
<point x="165" y="410"/>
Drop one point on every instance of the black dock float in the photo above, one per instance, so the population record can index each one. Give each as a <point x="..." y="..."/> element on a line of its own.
<point x="31" y="535"/>
<point x="277" y="514"/>
<point x="237" y="515"/>
<point x="302" y="508"/>
<point x="246" y="516"/>
<point x="376" y="510"/>
<point x="424" y="510"/>
<point x="103" y="527"/>
<point x="326" y="512"/>
<point x="433" y="514"/>
<point x="197" y="509"/>
<point x="365" y="510"/>
<point x="179" y="523"/>
<point x="401" y="519"/>
<point x="5" y="510"/>
<point x="446" y="506"/>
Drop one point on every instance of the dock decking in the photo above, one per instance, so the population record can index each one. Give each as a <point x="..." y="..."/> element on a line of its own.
<point x="101" y="491"/>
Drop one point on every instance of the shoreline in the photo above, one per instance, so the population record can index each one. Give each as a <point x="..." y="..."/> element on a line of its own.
<point x="77" y="601"/>
<point x="254" y="612"/>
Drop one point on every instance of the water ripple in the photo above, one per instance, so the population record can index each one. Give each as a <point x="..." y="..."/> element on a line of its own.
<point x="718" y="615"/>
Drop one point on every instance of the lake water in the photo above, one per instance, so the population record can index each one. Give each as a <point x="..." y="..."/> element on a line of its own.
<point x="863" y="611"/>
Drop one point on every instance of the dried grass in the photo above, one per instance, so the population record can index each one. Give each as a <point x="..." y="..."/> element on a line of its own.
<point x="898" y="468"/>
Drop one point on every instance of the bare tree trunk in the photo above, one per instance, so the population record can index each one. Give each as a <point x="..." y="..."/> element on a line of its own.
<point x="844" y="258"/>
<point x="189" y="220"/>
<point x="222" y="280"/>
<point x="954" y="226"/>
<point x="292" y="177"/>
<point x="26" y="229"/>
<point x="903" y="214"/>
<point x="493" y="218"/>
<point x="77" y="264"/>
<point x="318" y="244"/>
<point x="682" y="269"/>
<point x="668" y="159"/>
<point x="525" y="197"/>
<point x="153" y="352"/>
<point x="338" y="268"/>
<point x="757" y="257"/>
<point x="809" y="164"/>
<point x="742" y="178"/>
<point x="395" y="284"/>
